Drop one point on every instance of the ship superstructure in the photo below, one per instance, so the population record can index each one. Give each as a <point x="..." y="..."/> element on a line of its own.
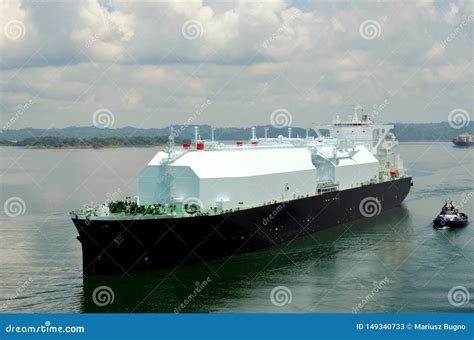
<point x="464" y="140"/>
<point x="208" y="183"/>
<point x="219" y="176"/>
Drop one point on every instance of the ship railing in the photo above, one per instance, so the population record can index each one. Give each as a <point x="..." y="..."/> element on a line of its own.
<point x="268" y="143"/>
<point x="258" y="146"/>
<point x="171" y="210"/>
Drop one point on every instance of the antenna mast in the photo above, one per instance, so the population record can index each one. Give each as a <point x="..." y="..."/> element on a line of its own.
<point x="170" y="147"/>
<point x="254" y="135"/>
<point x="196" y="136"/>
<point x="356" y="108"/>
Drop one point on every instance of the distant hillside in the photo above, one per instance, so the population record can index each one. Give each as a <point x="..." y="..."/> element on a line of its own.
<point x="429" y="131"/>
<point x="95" y="142"/>
<point x="404" y="131"/>
<point x="181" y="131"/>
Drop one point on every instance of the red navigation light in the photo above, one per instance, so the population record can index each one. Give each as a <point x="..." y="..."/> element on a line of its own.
<point x="254" y="143"/>
<point x="186" y="146"/>
<point x="200" y="146"/>
<point x="239" y="143"/>
<point x="393" y="172"/>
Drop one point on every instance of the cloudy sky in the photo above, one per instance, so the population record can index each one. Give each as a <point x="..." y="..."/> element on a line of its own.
<point x="233" y="63"/>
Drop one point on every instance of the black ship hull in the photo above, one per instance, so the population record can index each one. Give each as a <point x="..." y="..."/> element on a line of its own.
<point x="122" y="246"/>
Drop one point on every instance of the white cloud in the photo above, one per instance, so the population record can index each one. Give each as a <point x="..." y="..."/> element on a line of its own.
<point x="250" y="58"/>
<point x="103" y="34"/>
<point x="451" y="16"/>
<point x="132" y="99"/>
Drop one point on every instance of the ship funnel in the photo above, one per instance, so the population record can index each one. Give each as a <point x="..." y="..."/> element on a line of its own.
<point x="254" y="135"/>
<point x="289" y="132"/>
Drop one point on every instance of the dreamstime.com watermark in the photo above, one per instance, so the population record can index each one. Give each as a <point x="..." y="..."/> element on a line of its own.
<point x="274" y="213"/>
<point x="92" y="40"/>
<point x="14" y="207"/>
<point x="200" y="286"/>
<point x="370" y="29"/>
<point x="370" y="207"/>
<point x="46" y="328"/>
<point x="103" y="296"/>
<point x="378" y="109"/>
<point x="192" y="29"/>
<point x="452" y="36"/>
<point x="103" y="118"/>
<point x="281" y="118"/>
<point x="466" y="198"/>
<point x="459" y="118"/>
<point x="22" y="286"/>
<point x="20" y="111"/>
<point x="458" y="296"/>
<point x="285" y="28"/>
<point x="199" y="110"/>
<point x="281" y="295"/>
<point x="192" y="205"/>
<point x="377" y="287"/>
<point x="14" y="29"/>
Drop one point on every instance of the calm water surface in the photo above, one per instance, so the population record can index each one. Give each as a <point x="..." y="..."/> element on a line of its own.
<point x="413" y="264"/>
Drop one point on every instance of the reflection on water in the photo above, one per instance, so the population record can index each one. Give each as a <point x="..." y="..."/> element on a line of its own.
<point x="412" y="265"/>
<point x="311" y="265"/>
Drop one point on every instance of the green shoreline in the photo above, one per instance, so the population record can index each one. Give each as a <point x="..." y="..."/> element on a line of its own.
<point x="32" y="147"/>
<point x="53" y="142"/>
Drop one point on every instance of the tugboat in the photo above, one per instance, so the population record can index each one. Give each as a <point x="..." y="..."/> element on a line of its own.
<point x="450" y="217"/>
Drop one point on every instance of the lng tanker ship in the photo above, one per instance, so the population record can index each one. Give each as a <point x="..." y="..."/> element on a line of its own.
<point x="206" y="199"/>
